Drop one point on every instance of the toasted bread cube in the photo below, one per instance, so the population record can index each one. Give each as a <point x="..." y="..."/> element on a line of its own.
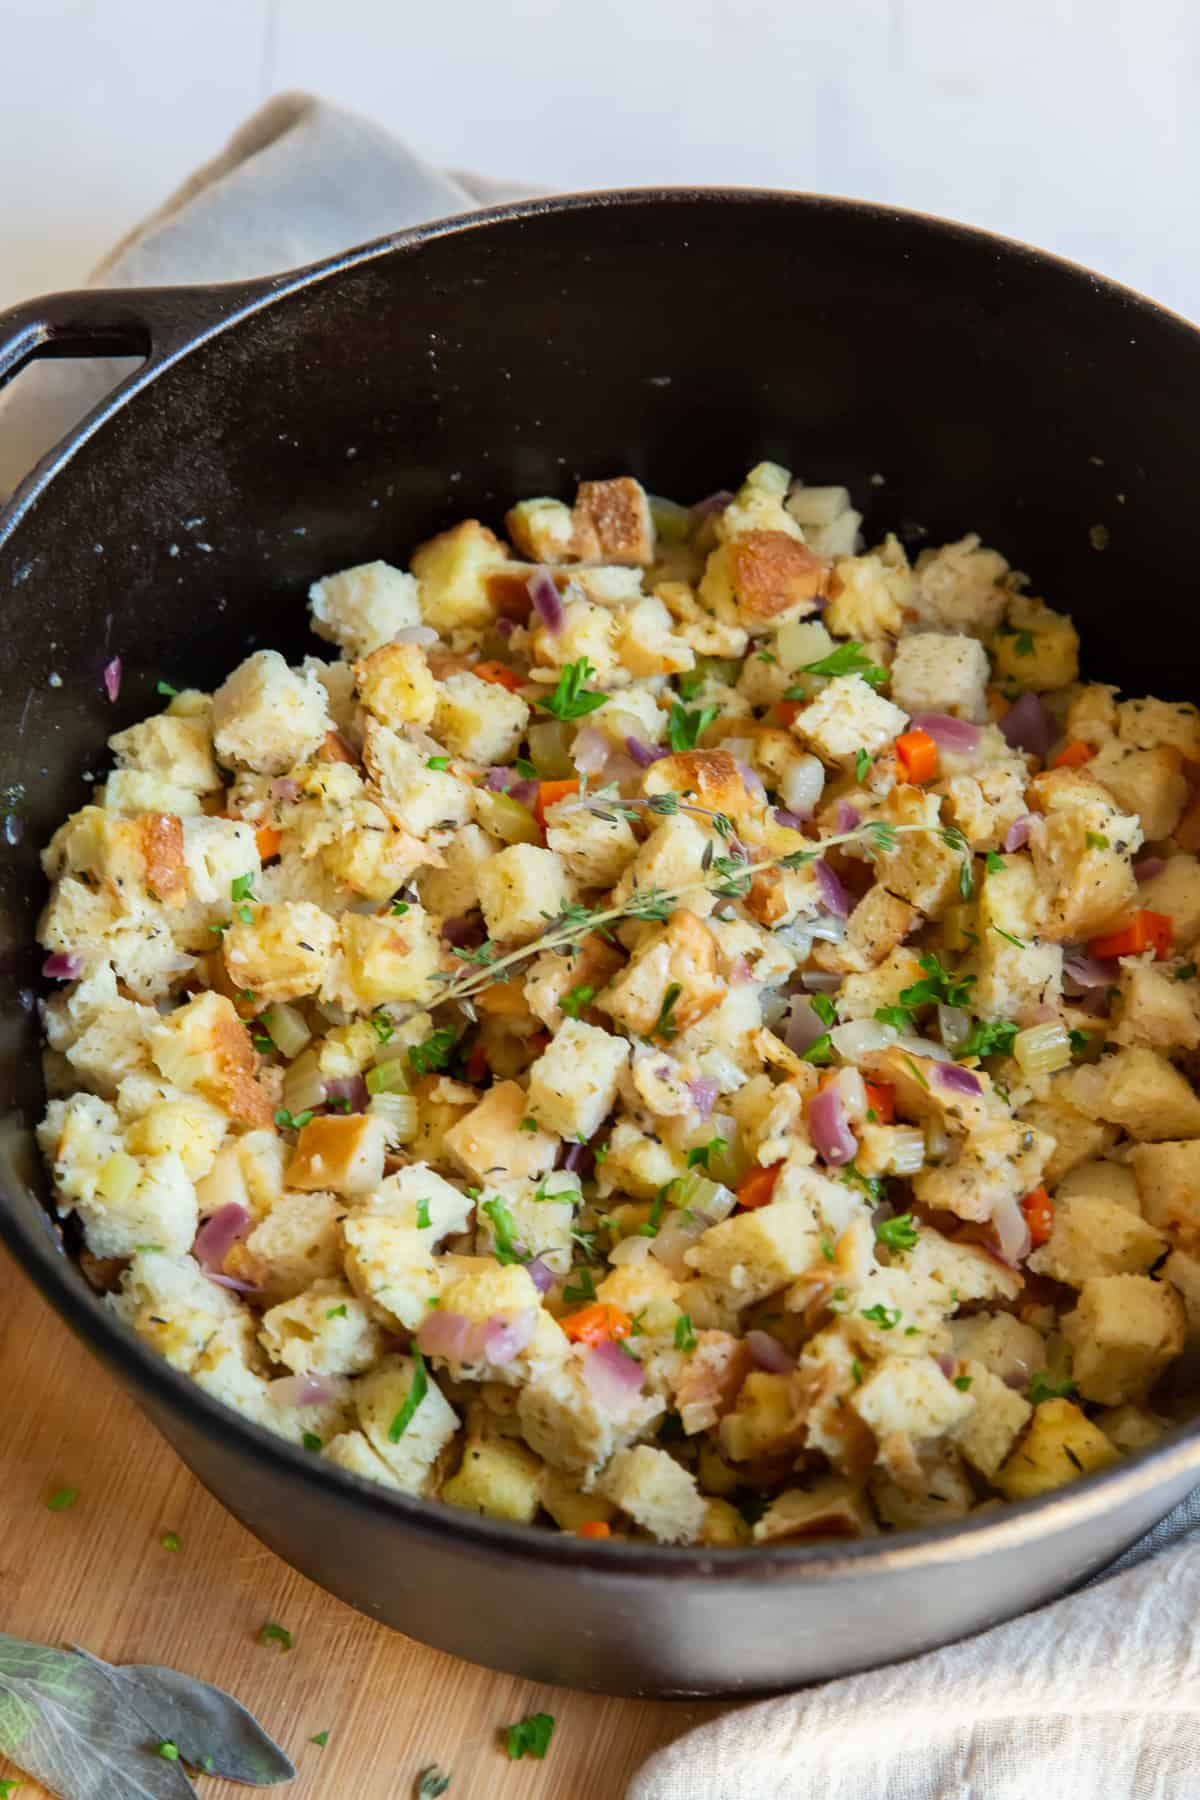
<point x="421" y="797"/>
<point x="877" y="926"/>
<point x="114" y="1045"/>
<point x="192" y="1128"/>
<point x="1101" y="1181"/>
<point x="594" y="851"/>
<point x="1092" y="714"/>
<point x="542" y="1214"/>
<point x="867" y="595"/>
<point x="203" y="1047"/>
<point x="454" y="889"/>
<point x="646" y="643"/>
<point x="172" y="1305"/>
<point x="1001" y="1162"/>
<point x="136" y="1201"/>
<point x="766" y="1420"/>
<point x="831" y="1508"/>
<point x="1155" y="1010"/>
<point x="637" y="1164"/>
<point x="848" y="716"/>
<point x="756" y="1253"/>
<point x="266" y="717"/>
<point x="679" y="955"/>
<point x="931" y="1492"/>
<point x="282" y="952"/>
<point x="1149" y="723"/>
<point x="941" y="672"/>
<point x="1139" y="1091"/>
<point x="671" y="858"/>
<point x="563" y="1422"/>
<point x="395" y="685"/>
<point x="954" y="1273"/>
<point x="409" y="1449"/>
<point x="135" y="791"/>
<point x="724" y="1526"/>
<point x="323" y="1330"/>
<point x="573" y="1084"/>
<point x="987" y="1434"/>
<point x="542" y="529"/>
<point x="656" y="1492"/>
<point x="520" y="890"/>
<point x="1182" y="1270"/>
<point x="1123" y="1333"/>
<point x="960" y="587"/>
<point x="860" y="996"/>
<point x="1037" y="647"/>
<point x="1175" y="891"/>
<point x="452" y="569"/>
<point x="643" y="1287"/>
<point x="587" y="631"/>
<point x="340" y="1152"/>
<point x="177" y="750"/>
<point x="1078" y="1138"/>
<point x="1147" y="783"/>
<point x="498" y="1477"/>
<point x="384" y="959"/>
<point x="1061" y="1445"/>
<point x="611" y="522"/>
<point x="1004" y="1345"/>
<point x="763" y="577"/>
<point x="488" y="1142"/>
<point x="390" y="1263"/>
<point x="352" y="1451"/>
<point x="1093" y="1236"/>
<point x="297" y="1243"/>
<point x="909" y="1394"/>
<point x="1081" y="857"/>
<point x="758" y="505"/>
<point x="478" y="720"/>
<point x="567" y="1503"/>
<point x="363" y="608"/>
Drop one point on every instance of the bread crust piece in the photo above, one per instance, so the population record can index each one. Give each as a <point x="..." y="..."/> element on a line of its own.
<point x="772" y="573"/>
<point x="611" y="522"/>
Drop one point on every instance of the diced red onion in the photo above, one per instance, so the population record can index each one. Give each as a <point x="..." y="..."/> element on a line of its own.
<point x="504" y="627"/>
<point x="424" y="635"/>
<point x="498" y="780"/>
<point x="712" y="503"/>
<point x="834" y="897"/>
<point x="792" y="821"/>
<point x="218" y="1234"/>
<point x="848" y="817"/>
<point x="829" y="1127"/>
<point x="230" y="1281"/>
<point x="740" y="972"/>
<point x="949" y="732"/>
<point x="1148" y="868"/>
<point x="643" y="754"/>
<point x="300" y="1390"/>
<point x="1012" y="1231"/>
<point x="284" y="788"/>
<point x="1089" y="971"/>
<point x="947" y="1364"/>
<point x="1017" y="835"/>
<point x="1096" y="1003"/>
<point x="803" y="1026"/>
<point x="504" y="1338"/>
<point x="547" y="601"/>
<point x="704" y="1094"/>
<point x="541" y="1275"/>
<point x="525" y="793"/>
<point x="590" y="751"/>
<point x="63" y="965"/>
<point x="459" y="931"/>
<point x="112" y="678"/>
<point x="751" y="781"/>
<point x="769" y="1353"/>
<point x="1027" y="726"/>
<point x="450" y="1335"/>
<point x="820" y="981"/>
<point x="612" y="1378"/>
<point x="351" y="1088"/>
<point x="959" y="1081"/>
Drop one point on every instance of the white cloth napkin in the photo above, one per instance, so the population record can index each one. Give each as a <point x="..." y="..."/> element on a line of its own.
<point x="1094" y="1698"/>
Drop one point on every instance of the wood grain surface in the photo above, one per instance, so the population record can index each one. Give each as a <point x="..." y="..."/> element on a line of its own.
<point x="98" y="1575"/>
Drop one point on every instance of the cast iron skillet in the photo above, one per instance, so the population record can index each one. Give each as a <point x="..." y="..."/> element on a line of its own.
<point x="282" y="429"/>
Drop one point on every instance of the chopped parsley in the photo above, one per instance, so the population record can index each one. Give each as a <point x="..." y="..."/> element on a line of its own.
<point x="242" y="887"/>
<point x="650" y="1228"/>
<point x="899" y="1233"/>
<point x="1042" y="1388"/>
<point x="827" y="1251"/>
<point x="167" y="1750"/>
<point x="339" y="1312"/>
<point x="572" y="698"/>
<point x="966" y="879"/>
<point x="886" y="1317"/>
<point x="697" y="1157"/>
<point x="994" y="863"/>
<point x="399" y="908"/>
<point x="320" y="1739"/>
<point x="440" y="763"/>
<point x="574" y="1001"/>
<point x="1009" y="938"/>
<point x="383" y="1027"/>
<point x="583" y="1289"/>
<point x="418" y="1388"/>
<point x="663" y="1027"/>
<point x="1095" y="840"/>
<point x="1080" y="1041"/>
<point x="937" y="986"/>
<point x="856" y="1371"/>
<point x="528" y="1125"/>
<point x="1024" y="643"/>
<point x="848" y="659"/>
<point x="862" y="764"/>
<point x="820" y="1051"/>
<point x="824" y="1008"/>
<point x="503" y="1230"/>
<point x="529" y="1737"/>
<point x="287" y="1121"/>
<point x="871" y="1185"/>
<point x="435" y="1052"/>
<point x="169" y="1540"/>
<point x="988" y="1037"/>
<point x="271" y="1633"/>
<point x="962" y="1382"/>
<point x="431" y="1783"/>
<point x="898" y="1017"/>
<point x="685" y="1337"/>
<point x="164" y="687"/>
<point x="62" y="1499"/>
<point x="310" y="1440"/>
<point x="685" y="727"/>
<point x="525" y="768"/>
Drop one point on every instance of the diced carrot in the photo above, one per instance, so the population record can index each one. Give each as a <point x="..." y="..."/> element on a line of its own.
<point x="549" y="794"/>
<point x="881" y="1100"/>
<point x="477" y="1066"/>
<point x="788" y="711"/>
<point x="594" y="1528"/>
<point x="597" y="1324"/>
<point x="1145" y="931"/>
<point x="917" y="755"/>
<point x="1039" y="1215"/>
<point x="268" y="840"/>
<point x="1073" y="755"/>
<point x="756" y="1188"/>
<point x="499" y="674"/>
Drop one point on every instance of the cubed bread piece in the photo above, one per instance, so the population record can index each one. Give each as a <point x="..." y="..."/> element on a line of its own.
<point x="848" y="716"/>
<point x="417" y="1193"/>
<point x="860" y="996"/>
<point x="266" y="717"/>
<point x="646" y="643"/>
<point x="297" y="1243"/>
<point x="453" y="889"/>
<point x="323" y="1330"/>
<point x="135" y="791"/>
<point x="1098" y="1180"/>
<point x="342" y="1152"/>
<point x="960" y="586"/>
<point x="767" y="1420"/>
<point x="537" y="1215"/>
<point x="409" y="1441"/>
<point x="1149" y="723"/>
<point x="987" y="1434"/>
<point x="956" y="1273"/>
<point x="363" y="608"/>
<point x="1147" y="783"/>
<point x="1175" y="891"/>
<point x="1001" y="1162"/>
<point x="867" y="595"/>
<point x="931" y="1492"/>
<point x="1078" y="1138"/>
<point x="1061" y="1445"/>
<point x="941" y="672"/>
<point x="382" y="959"/>
<point x="499" y="1477"/>
<point x="1182" y="1270"/>
<point x="680" y="956"/>
<point x="910" y="1395"/>
<point x="573" y="1084"/>
<point x="594" y="851"/>
<point x="395" y="685"/>
<point x="421" y="797"/>
<point x="178" y="750"/>
<point x="568" y="1505"/>
<point x="489" y="1144"/>
<point x="1093" y="1236"/>
<point x="282" y="952"/>
<point x="634" y="1163"/>
<point x="390" y="1263"/>
<point x="249" y="1170"/>
<point x="656" y="1492"/>
<point x="1037" y="647"/>
<point x="521" y="890"/>
<point x="136" y="1201"/>
<point x="878" y="924"/>
<point x="113" y="1045"/>
<point x="763" y="577"/>
<point x="564" y="1422"/>
<point x="172" y="1305"/>
<point x="611" y="522"/>
<point x="203" y="1047"/>
<point x="671" y="858"/>
<point x="191" y="1127"/>
<point x="479" y="719"/>
<point x="1138" y="1090"/>
<point x="542" y="529"/>
<point x="1156" y="1010"/>
<point x="754" y="1254"/>
<point x="1005" y="1345"/>
<point x="452" y="569"/>
<point x="831" y="1508"/>
<point x="1123" y="1333"/>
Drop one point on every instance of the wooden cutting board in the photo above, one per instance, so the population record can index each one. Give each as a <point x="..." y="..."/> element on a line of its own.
<point x="98" y="1575"/>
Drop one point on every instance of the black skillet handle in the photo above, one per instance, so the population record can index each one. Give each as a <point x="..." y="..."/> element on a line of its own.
<point x="151" y="323"/>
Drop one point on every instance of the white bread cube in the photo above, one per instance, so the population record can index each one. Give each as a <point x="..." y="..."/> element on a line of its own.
<point x="479" y="719"/>
<point x="266" y="717"/>
<point x="1156" y="1010"/>
<point x="941" y="672"/>
<point x="647" y="644"/>
<point x="137" y="1201"/>
<point x="1138" y="1090"/>
<point x="362" y="608"/>
<point x="959" y="587"/>
<point x="1168" y="1185"/>
<point x="1006" y="1346"/>
<point x="1061" y="1446"/>
<point x="910" y="1395"/>
<point x="563" y="1422"/>
<point x="297" y="1243"/>
<point x="568" y="1505"/>
<point x="215" y="853"/>
<point x="671" y="858"/>
<point x="1148" y="723"/>
<point x="1093" y="1236"/>
<point x="860" y="996"/>
<point x="203" y="1047"/>
<point x="489" y="1145"/>
<point x="587" y="631"/>
<point x="656" y="1492"/>
<point x="380" y="1397"/>
<point x="542" y="529"/>
<point x="594" y="851"/>
<point x="390" y="1263"/>
<point x="987" y="1434"/>
<point x="1101" y="1181"/>
<point x="178" y="750"/>
<point x="382" y="959"/>
<point x="337" y="678"/>
<point x="249" y="1170"/>
<point x="417" y="1191"/>
<point x="541" y="1225"/>
<point x="867" y="597"/>
<point x="1037" y="647"/>
<point x="497" y="1477"/>
<point x="521" y="890"/>
<point x="352" y="1451"/>
<point x="573" y="1084"/>
<point x="1149" y="784"/>
<point x="172" y="1305"/>
<point x="756" y="1253"/>
<point x="1175" y="891"/>
<point x="1123" y="1333"/>
<point x="418" y="796"/>
<point x="848" y="716"/>
<point x="831" y="1508"/>
<point x="395" y="685"/>
<point x="282" y="953"/>
<point x="340" y="1151"/>
<point x="637" y="1164"/>
<point x="191" y="1127"/>
<point x="452" y="570"/>
<point x="454" y="888"/>
<point x="1077" y="1138"/>
<point x="135" y="791"/>
<point x="324" y="1330"/>
<point x="113" y="1046"/>
<point x="1183" y="1272"/>
<point x="681" y="954"/>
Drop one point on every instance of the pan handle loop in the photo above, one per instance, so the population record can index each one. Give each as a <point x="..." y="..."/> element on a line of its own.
<point x="150" y="323"/>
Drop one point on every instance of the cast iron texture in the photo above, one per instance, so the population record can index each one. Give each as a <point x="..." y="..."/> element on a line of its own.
<point x="283" y="430"/>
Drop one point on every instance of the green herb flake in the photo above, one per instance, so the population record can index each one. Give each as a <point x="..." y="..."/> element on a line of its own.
<point x="529" y="1737"/>
<point x="820" y="1051"/>
<point x="440" y="763"/>
<point x="1185" y="972"/>
<point x="685" y="727"/>
<point x="504" y="1228"/>
<point x="242" y="887"/>
<point x="271" y="1633"/>
<point x="165" y="688"/>
<point x="663" y="1027"/>
<point x="399" y="908"/>
<point x="824" y="1008"/>
<point x="987" y="1037"/>
<point x="435" y="1052"/>
<point x="828" y="1252"/>
<point x="287" y="1121"/>
<point x="698" y="1156"/>
<point x="167" y="1750"/>
<point x="1080" y="1041"/>
<point x="339" y="1312"/>
<point x="311" y="1441"/>
<point x="1095" y="840"/>
<point x="572" y="698"/>
<point x="886" y="1317"/>
<point x="857" y="1372"/>
<point x="320" y="1740"/>
<point x="966" y="879"/>
<point x="862" y="765"/>
<point x="848" y="659"/>
<point x="583" y="1289"/>
<point x="685" y="1337"/>
<point x="169" y="1540"/>
<point x="383" y="1027"/>
<point x="994" y="863"/>
<point x="62" y="1499"/>
<point x="1024" y="643"/>
<point x="574" y="1001"/>
<point x="938" y="986"/>
<point x="432" y="1783"/>
<point x="900" y="1233"/>
<point x="1009" y="938"/>
<point x="528" y="1125"/>
<point x="650" y="1228"/>
<point x="962" y="1382"/>
<point x="418" y="1388"/>
<point x="1043" y="1388"/>
<point x="525" y="768"/>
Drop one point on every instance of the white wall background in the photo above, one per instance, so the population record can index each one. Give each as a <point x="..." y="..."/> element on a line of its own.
<point x="1071" y="123"/>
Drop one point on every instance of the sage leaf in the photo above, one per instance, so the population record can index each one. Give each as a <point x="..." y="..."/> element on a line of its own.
<point x="90" y="1731"/>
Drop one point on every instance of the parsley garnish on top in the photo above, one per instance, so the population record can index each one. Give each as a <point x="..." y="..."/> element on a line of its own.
<point x="1043" y="1388"/>
<point x="417" y="1391"/>
<point x="435" y="1052"/>
<point x="698" y="1155"/>
<point x="684" y="727"/>
<point x="899" y="1233"/>
<point x="663" y="1027"/>
<point x="848" y="659"/>
<point x="529" y="1737"/>
<point x="503" y="1231"/>
<point x="572" y="698"/>
<point x="574" y="1001"/>
<point x="938" y="986"/>
<point x="987" y="1037"/>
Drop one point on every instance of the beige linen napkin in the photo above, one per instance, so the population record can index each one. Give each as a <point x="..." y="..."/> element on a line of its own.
<point x="1095" y="1698"/>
